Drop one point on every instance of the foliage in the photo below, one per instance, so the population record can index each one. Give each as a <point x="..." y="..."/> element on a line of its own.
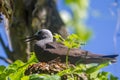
<point x="16" y="70"/>
<point x="92" y="71"/>
<point x="72" y="41"/>
<point x="78" y="15"/>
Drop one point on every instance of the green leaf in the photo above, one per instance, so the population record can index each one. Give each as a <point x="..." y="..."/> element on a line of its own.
<point x="113" y="77"/>
<point x="103" y="75"/>
<point x="12" y="68"/>
<point x="25" y="78"/>
<point x="16" y="70"/>
<point x="3" y="76"/>
<point x="72" y="41"/>
<point x="21" y="69"/>
<point x="35" y="77"/>
<point x="64" y="72"/>
<point x="73" y="70"/>
<point x="66" y="43"/>
<point x="17" y="75"/>
<point x="15" y="65"/>
<point x="2" y="68"/>
<point x="33" y="58"/>
<point x="69" y="1"/>
<point x="94" y="75"/>
<point x="44" y="77"/>
<point x="79" y="68"/>
<point x="96" y="68"/>
<point x="58" y="38"/>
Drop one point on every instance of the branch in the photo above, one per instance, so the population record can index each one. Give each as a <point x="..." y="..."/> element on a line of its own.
<point x="6" y="60"/>
<point x="6" y="51"/>
<point x="6" y="48"/>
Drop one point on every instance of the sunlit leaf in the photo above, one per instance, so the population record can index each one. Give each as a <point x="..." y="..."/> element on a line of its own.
<point x="32" y="58"/>
<point x="25" y="78"/>
<point x="113" y="77"/>
<point x="3" y="76"/>
<point x="44" y="77"/>
<point x="58" y="38"/>
<point x="2" y="68"/>
<point x="69" y="1"/>
<point x="17" y="75"/>
<point x="96" y="68"/>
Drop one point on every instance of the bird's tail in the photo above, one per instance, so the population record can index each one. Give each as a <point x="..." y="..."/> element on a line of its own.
<point x="110" y="56"/>
<point x="100" y="59"/>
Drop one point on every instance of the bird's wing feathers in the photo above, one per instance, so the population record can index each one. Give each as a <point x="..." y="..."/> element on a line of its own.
<point x="54" y="50"/>
<point x="54" y="45"/>
<point x="60" y="49"/>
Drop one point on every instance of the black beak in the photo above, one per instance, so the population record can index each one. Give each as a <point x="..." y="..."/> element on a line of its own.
<point x="28" y="39"/>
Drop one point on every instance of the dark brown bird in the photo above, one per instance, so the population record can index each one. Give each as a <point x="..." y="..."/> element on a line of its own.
<point x="46" y="50"/>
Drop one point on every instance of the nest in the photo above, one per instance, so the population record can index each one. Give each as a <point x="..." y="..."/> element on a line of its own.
<point x="52" y="67"/>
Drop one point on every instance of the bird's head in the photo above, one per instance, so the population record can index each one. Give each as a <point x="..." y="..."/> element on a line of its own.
<point x="43" y="34"/>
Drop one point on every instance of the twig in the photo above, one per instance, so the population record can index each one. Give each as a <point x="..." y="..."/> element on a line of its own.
<point x="6" y="50"/>
<point x="6" y="60"/>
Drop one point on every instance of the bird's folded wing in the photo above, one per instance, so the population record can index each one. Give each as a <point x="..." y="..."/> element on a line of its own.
<point x="57" y="49"/>
<point x="60" y="49"/>
<point x="54" y="45"/>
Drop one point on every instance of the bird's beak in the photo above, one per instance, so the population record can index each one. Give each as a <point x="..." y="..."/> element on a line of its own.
<point x="31" y="38"/>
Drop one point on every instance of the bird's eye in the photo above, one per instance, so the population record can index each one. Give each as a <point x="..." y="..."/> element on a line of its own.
<point x="39" y="33"/>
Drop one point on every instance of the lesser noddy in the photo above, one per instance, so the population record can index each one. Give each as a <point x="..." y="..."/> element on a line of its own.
<point x="47" y="50"/>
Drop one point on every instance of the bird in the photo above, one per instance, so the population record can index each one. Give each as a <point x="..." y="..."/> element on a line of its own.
<point x="46" y="49"/>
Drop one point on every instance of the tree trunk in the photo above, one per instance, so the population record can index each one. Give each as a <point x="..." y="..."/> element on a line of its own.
<point x="28" y="16"/>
